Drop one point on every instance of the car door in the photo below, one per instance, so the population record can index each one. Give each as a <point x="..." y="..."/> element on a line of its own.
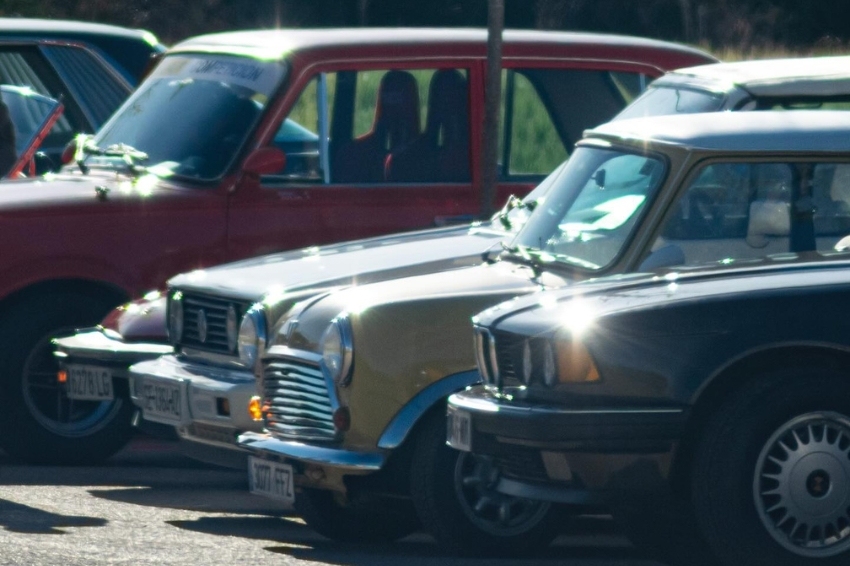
<point x="371" y="149"/>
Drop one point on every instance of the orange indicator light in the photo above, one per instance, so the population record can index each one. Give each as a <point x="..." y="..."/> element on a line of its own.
<point x="254" y="409"/>
<point x="62" y="376"/>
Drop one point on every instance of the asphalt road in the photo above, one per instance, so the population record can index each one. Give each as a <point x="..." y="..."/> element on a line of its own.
<point x="151" y="505"/>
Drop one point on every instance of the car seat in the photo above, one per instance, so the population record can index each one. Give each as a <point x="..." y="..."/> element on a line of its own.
<point x="441" y="153"/>
<point x="396" y="124"/>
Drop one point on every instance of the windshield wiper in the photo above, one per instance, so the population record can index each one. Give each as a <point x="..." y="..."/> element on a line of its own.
<point x="129" y="155"/>
<point x="513" y="203"/>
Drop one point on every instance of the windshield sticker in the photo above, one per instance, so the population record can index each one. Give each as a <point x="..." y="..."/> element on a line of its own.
<point x="255" y="75"/>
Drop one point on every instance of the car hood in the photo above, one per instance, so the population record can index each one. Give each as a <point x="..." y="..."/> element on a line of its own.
<point x="585" y="303"/>
<point x="349" y="263"/>
<point x="464" y="291"/>
<point x="40" y="195"/>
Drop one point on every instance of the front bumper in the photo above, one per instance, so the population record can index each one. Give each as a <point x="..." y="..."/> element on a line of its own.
<point x="265" y="446"/>
<point x="93" y="346"/>
<point x="557" y="452"/>
<point x="208" y="406"/>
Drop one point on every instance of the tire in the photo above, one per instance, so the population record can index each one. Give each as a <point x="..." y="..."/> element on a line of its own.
<point x="447" y="485"/>
<point x="370" y="519"/>
<point x="747" y="488"/>
<point x="39" y="424"/>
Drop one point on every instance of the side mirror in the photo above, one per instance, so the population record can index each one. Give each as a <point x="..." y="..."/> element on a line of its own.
<point x="265" y="161"/>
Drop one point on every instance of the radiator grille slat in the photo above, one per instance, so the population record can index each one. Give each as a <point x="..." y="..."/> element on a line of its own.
<point x="298" y="402"/>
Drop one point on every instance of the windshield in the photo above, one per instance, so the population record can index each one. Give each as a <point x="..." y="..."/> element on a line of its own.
<point x="664" y="100"/>
<point x="194" y="112"/>
<point x="588" y="214"/>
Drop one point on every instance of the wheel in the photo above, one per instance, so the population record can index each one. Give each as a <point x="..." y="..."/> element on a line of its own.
<point x="455" y="497"/>
<point x="771" y="476"/>
<point x="366" y="520"/>
<point x="39" y="424"/>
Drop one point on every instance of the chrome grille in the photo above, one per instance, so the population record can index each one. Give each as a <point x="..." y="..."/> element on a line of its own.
<point x="298" y="404"/>
<point x="508" y="356"/>
<point x="497" y="357"/>
<point x="215" y="313"/>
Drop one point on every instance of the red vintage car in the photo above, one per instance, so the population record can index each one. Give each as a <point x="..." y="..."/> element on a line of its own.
<point x="250" y="142"/>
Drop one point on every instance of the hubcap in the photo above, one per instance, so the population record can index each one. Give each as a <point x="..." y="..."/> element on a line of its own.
<point x="802" y="485"/>
<point x="48" y="403"/>
<point x="493" y="512"/>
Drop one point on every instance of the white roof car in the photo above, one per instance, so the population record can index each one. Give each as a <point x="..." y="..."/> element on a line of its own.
<point x="770" y="84"/>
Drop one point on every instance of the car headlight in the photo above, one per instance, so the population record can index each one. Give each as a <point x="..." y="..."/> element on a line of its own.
<point x="338" y="351"/>
<point x="252" y="336"/>
<point x="562" y="361"/>
<point x="175" y="317"/>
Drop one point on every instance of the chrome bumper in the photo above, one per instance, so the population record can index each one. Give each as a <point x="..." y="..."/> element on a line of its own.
<point x="93" y="346"/>
<point x="215" y="399"/>
<point x="266" y="446"/>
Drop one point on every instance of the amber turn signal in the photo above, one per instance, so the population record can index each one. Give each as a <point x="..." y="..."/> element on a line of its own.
<point x="62" y="376"/>
<point x="255" y="410"/>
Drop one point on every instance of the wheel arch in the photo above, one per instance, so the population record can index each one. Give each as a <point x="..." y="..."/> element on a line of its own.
<point x="406" y="419"/>
<point x="66" y="285"/>
<point x="743" y="370"/>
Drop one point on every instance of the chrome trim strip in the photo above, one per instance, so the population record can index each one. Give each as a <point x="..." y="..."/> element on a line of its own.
<point x="539" y="411"/>
<point x="494" y="359"/>
<point x="264" y="444"/>
<point x="311" y="358"/>
<point x="480" y="356"/>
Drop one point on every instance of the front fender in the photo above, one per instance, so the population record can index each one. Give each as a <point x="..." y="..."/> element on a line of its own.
<point x="404" y="421"/>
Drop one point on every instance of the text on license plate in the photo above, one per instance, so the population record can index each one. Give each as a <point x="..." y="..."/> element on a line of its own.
<point x="459" y="430"/>
<point x="271" y="479"/>
<point x="162" y="400"/>
<point x="89" y="383"/>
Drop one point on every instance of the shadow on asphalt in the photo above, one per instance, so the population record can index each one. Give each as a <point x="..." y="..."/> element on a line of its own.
<point x="25" y="519"/>
<point x="590" y="538"/>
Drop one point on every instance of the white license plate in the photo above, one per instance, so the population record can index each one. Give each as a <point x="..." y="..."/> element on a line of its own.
<point x="89" y="383"/>
<point x="162" y="401"/>
<point x="271" y="479"/>
<point x="459" y="430"/>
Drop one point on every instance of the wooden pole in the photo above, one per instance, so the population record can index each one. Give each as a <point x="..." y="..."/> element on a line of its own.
<point x="492" y="96"/>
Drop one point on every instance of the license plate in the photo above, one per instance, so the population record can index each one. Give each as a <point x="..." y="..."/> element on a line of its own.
<point x="162" y="402"/>
<point x="271" y="479"/>
<point x="89" y="383"/>
<point x="459" y="430"/>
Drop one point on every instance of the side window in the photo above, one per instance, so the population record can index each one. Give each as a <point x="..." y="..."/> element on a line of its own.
<point x="299" y="135"/>
<point x="545" y="111"/>
<point x="379" y="126"/>
<point x="734" y="212"/>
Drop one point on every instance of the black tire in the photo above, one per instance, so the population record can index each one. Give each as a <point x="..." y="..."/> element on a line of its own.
<point x="38" y="423"/>
<point x="746" y="486"/>
<point x="446" y="503"/>
<point x="369" y="519"/>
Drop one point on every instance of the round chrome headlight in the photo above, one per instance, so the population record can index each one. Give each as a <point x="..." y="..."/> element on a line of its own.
<point x="175" y="317"/>
<point x="252" y="336"/>
<point x="550" y="371"/>
<point x="526" y="363"/>
<point x="338" y="351"/>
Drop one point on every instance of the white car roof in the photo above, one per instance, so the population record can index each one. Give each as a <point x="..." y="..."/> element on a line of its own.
<point x="802" y="76"/>
<point x="792" y="130"/>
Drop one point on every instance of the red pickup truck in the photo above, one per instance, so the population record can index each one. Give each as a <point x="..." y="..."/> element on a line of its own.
<point x="243" y="143"/>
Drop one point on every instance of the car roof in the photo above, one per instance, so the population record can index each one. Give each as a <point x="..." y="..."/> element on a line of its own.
<point x="276" y="44"/>
<point x="793" y="130"/>
<point x="127" y="49"/>
<point x="801" y="76"/>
